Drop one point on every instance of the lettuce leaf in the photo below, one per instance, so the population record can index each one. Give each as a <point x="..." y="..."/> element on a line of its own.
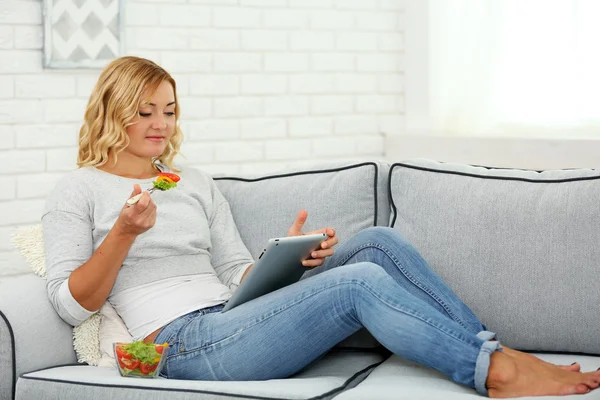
<point x="145" y="352"/>
<point x="164" y="185"/>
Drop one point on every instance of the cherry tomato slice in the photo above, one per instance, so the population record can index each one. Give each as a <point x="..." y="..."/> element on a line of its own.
<point x="122" y="353"/>
<point x="173" y="177"/>
<point x="147" y="369"/>
<point x="125" y="363"/>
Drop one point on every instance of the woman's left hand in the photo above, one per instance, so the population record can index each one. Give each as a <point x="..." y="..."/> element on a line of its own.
<point x="326" y="248"/>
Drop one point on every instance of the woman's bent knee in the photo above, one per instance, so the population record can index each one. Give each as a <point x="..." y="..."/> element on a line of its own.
<point x="382" y="233"/>
<point x="362" y="271"/>
<point x="389" y="238"/>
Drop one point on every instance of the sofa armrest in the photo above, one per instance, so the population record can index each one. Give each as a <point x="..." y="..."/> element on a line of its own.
<point x="32" y="335"/>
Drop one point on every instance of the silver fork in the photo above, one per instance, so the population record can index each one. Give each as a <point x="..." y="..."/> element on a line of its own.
<point x="133" y="200"/>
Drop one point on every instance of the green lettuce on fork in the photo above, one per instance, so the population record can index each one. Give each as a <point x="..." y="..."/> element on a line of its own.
<point x="166" y="181"/>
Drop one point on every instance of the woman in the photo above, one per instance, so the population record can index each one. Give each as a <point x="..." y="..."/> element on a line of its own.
<point x="170" y="262"/>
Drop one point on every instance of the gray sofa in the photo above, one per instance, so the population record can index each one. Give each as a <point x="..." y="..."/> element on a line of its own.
<point x="519" y="247"/>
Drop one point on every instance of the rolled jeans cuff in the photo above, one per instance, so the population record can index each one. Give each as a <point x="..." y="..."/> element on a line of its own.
<point x="482" y="365"/>
<point x="486" y="335"/>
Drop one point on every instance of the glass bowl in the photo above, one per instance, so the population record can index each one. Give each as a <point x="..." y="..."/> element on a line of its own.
<point x="139" y="359"/>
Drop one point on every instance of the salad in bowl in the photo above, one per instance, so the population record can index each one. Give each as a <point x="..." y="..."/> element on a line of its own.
<point x="140" y="359"/>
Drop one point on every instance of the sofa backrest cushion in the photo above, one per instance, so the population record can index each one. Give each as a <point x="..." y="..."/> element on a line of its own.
<point x="521" y="248"/>
<point x="346" y="197"/>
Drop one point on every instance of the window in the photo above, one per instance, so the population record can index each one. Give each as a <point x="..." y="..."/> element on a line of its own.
<point x="515" y="67"/>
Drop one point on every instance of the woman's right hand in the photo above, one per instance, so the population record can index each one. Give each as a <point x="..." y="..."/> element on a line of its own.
<point x="137" y="219"/>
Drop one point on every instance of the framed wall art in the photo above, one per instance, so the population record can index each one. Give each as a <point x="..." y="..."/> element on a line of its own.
<point x="82" y="33"/>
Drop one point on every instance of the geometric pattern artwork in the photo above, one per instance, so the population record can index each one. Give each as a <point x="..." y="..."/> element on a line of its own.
<point x="82" y="33"/>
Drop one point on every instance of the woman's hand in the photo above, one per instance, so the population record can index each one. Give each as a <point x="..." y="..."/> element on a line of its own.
<point x="137" y="219"/>
<point x="326" y="249"/>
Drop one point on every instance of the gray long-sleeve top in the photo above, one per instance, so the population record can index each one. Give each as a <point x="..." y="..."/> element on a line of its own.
<point x="194" y="235"/>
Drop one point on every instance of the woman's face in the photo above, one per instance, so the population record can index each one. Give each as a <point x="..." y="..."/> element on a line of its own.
<point x="155" y="124"/>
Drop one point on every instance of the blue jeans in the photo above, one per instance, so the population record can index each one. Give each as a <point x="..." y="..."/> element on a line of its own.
<point x="384" y="286"/>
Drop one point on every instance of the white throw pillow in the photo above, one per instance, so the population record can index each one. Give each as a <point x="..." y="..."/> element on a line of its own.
<point x="30" y="242"/>
<point x="86" y="340"/>
<point x="93" y="338"/>
<point x="112" y="329"/>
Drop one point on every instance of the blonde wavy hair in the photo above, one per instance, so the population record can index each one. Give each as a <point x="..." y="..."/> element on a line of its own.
<point x="113" y="106"/>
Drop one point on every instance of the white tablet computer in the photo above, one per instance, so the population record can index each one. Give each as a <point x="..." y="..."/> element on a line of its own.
<point x="279" y="265"/>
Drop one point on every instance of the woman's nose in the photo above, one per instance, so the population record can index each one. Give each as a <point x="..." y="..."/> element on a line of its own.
<point x="159" y="123"/>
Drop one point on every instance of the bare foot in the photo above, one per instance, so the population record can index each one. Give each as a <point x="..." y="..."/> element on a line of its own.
<point x="522" y="376"/>
<point x="575" y="367"/>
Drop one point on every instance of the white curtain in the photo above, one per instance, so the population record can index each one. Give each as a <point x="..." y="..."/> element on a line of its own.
<point x="515" y="67"/>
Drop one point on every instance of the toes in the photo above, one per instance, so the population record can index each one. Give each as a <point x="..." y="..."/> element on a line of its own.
<point x="575" y="367"/>
<point x="577" y="389"/>
<point x="592" y="383"/>
<point x="591" y="380"/>
<point x="593" y="375"/>
<point x="582" y="389"/>
<point x="596" y="380"/>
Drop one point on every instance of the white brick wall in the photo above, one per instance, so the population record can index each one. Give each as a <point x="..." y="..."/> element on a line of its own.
<point x="264" y="85"/>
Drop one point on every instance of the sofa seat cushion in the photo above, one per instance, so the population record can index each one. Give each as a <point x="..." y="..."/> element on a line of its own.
<point x="327" y="377"/>
<point x="519" y="247"/>
<point x="399" y="379"/>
